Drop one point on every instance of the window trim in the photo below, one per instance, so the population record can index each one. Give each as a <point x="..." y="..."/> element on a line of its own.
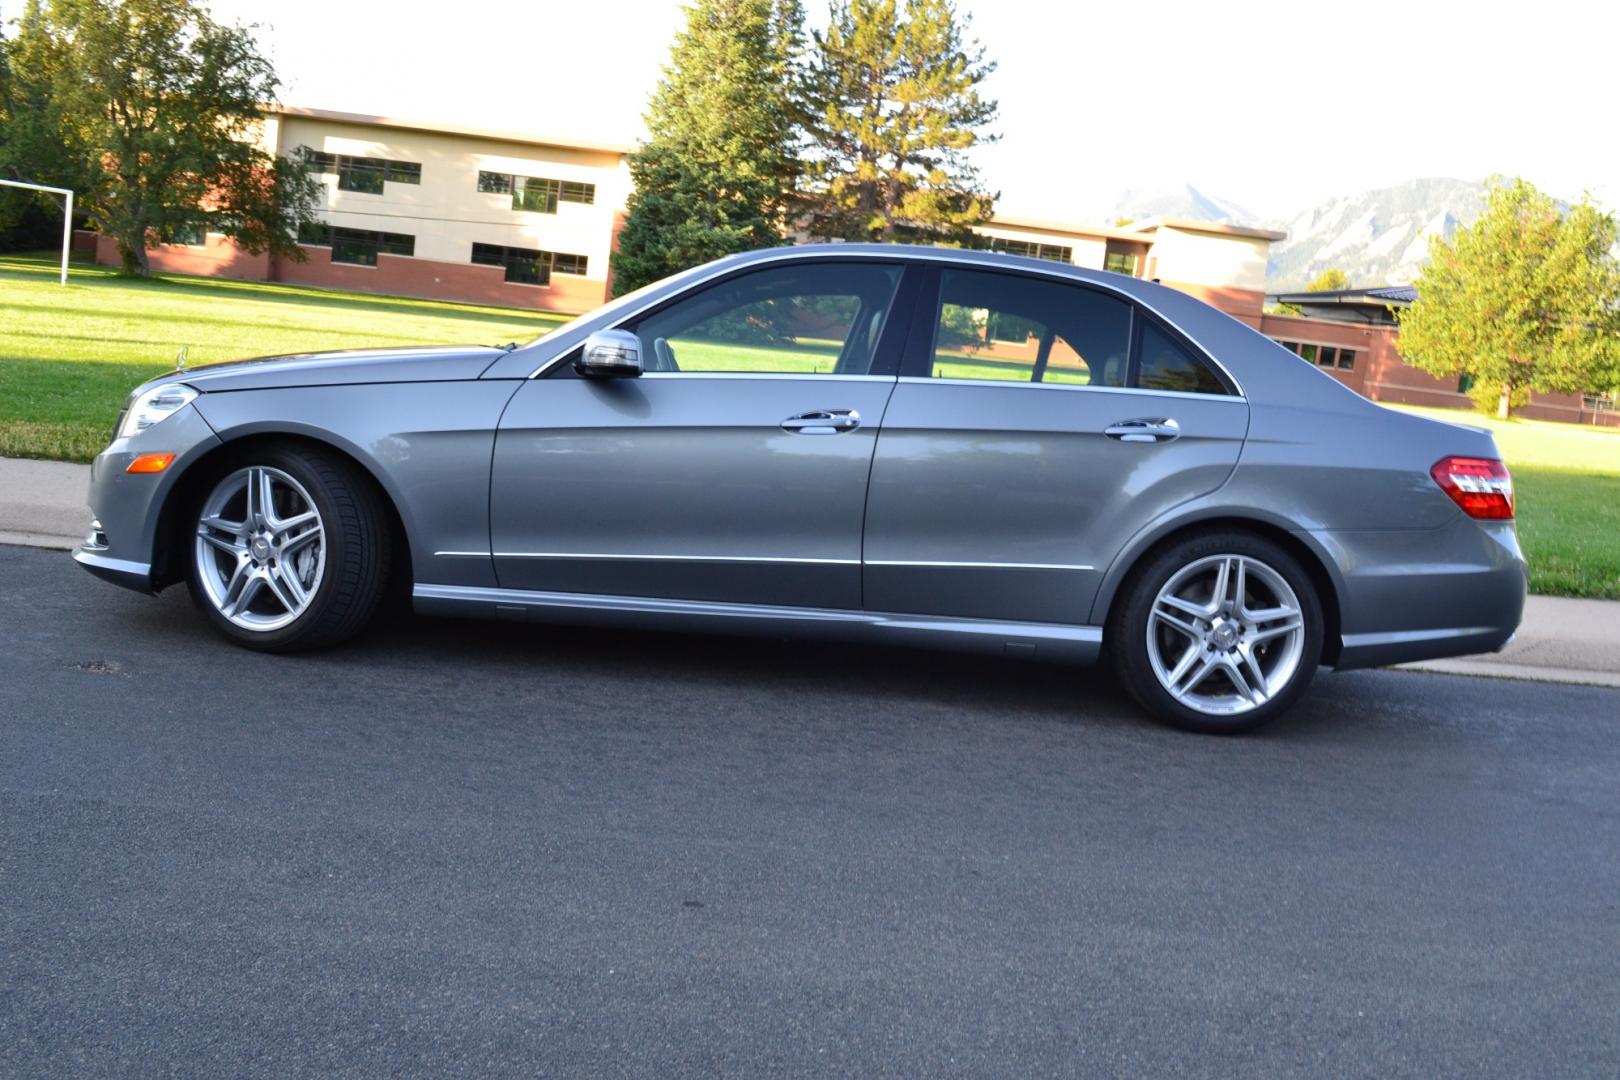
<point x="893" y="339"/>
<point x="915" y="264"/>
<point x="917" y="362"/>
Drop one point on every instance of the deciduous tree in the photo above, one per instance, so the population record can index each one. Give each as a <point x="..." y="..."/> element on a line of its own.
<point x="719" y="171"/>
<point x="894" y="107"/>
<point x="1526" y="298"/>
<point x="151" y="111"/>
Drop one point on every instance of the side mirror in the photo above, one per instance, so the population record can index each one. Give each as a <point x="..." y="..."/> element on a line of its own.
<point x="610" y="354"/>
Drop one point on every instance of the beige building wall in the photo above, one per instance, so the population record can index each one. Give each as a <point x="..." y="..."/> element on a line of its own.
<point x="446" y="212"/>
<point x="1213" y="259"/>
<point x="1088" y="249"/>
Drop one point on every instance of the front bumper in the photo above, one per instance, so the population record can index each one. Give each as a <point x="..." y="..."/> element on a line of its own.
<point x="1422" y="594"/>
<point x="122" y="543"/>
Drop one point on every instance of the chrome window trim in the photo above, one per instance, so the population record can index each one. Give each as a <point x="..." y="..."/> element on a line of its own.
<point x="929" y="380"/>
<point x="951" y="565"/>
<point x="764" y="375"/>
<point x="832" y="251"/>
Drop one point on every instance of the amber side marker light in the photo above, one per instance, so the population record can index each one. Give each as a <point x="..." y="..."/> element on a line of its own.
<point x="150" y="463"/>
<point x="1481" y="486"/>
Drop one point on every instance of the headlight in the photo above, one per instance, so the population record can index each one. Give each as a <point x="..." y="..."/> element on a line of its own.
<point x="154" y="407"/>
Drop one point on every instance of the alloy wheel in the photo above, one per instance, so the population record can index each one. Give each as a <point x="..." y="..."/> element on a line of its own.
<point x="1225" y="634"/>
<point x="260" y="549"/>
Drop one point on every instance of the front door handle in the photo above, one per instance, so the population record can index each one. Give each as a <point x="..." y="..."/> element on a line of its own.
<point x="1161" y="429"/>
<point x="823" y="422"/>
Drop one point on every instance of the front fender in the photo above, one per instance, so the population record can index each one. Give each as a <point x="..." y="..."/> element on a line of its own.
<point x="428" y="446"/>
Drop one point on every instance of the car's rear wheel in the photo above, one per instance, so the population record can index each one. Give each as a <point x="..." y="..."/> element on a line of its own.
<point x="1218" y="633"/>
<point x="290" y="550"/>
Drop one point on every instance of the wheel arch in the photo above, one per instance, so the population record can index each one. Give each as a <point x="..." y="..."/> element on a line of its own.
<point x="173" y="532"/>
<point x="1316" y="562"/>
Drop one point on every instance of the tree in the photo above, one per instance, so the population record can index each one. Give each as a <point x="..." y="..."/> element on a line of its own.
<point x="1330" y="280"/>
<point x="1527" y="298"/>
<point x="893" y="108"/>
<point x="152" y="113"/>
<point x="719" y="172"/>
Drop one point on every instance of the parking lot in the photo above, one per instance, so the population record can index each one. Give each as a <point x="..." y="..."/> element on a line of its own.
<point x="496" y="849"/>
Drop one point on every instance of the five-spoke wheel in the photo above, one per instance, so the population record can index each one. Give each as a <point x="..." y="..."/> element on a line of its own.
<point x="290" y="548"/>
<point x="1217" y="632"/>
<point x="261" y="550"/>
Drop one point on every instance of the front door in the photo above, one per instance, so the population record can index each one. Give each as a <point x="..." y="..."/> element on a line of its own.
<point x="1024" y="446"/>
<point x="734" y="469"/>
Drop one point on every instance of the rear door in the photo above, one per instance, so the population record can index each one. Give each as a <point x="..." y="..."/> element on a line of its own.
<point x="1036" y="427"/>
<point x="734" y="469"/>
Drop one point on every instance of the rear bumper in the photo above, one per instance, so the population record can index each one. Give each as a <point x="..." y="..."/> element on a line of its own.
<point x="1423" y="594"/>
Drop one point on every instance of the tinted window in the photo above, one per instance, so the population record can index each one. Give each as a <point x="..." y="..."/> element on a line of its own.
<point x="1167" y="366"/>
<point x="1012" y="328"/>
<point x="802" y="320"/>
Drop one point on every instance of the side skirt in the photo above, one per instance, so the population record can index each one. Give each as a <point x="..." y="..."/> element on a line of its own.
<point x="1035" y="641"/>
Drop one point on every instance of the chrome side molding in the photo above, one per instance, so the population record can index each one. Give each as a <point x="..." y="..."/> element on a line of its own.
<point x="1044" y="641"/>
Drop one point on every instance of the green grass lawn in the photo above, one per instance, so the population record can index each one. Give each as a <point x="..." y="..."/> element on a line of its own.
<point x="69" y="356"/>
<point x="1566" y="481"/>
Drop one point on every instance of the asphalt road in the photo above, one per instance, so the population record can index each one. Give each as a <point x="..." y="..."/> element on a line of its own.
<point x="462" y="848"/>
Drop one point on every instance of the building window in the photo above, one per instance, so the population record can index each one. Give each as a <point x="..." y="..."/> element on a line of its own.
<point x="190" y="233"/>
<point x="358" y="247"/>
<point x="1120" y="262"/>
<point x="1598" y="402"/>
<point x="568" y="264"/>
<point x="1032" y="250"/>
<point x="526" y="266"/>
<point x="1322" y="355"/>
<point x="364" y="174"/>
<point x="495" y="183"/>
<point x="1465" y="383"/>
<point x="403" y="172"/>
<point x="536" y="193"/>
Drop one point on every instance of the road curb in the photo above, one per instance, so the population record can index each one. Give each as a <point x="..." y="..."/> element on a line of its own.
<point x="1488" y="669"/>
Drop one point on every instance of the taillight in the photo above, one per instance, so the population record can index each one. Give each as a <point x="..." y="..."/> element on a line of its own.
<point x="1481" y="486"/>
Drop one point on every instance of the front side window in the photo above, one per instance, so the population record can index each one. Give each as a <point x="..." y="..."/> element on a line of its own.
<point x="1009" y="328"/>
<point x="816" y="319"/>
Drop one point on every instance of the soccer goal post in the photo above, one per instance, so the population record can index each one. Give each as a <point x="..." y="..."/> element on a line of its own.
<point x="67" y="214"/>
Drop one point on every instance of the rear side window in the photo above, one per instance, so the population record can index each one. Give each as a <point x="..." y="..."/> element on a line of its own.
<point x="1168" y="366"/>
<point x="1012" y="328"/>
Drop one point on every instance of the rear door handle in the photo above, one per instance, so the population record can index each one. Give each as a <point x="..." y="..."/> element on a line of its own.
<point x="1161" y="429"/>
<point x="823" y="422"/>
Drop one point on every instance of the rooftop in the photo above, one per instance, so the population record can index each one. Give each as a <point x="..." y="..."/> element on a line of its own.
<point x="1380" y="296"/>
<point x="432" y="127"/>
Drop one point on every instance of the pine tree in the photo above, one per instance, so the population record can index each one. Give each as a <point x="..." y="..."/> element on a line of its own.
<point x="1527" y="298"/>
<point x="893" y="108"/>
<point x="718" y="173"/>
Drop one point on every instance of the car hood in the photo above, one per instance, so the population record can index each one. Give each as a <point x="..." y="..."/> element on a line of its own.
<point x="440" y="364"/>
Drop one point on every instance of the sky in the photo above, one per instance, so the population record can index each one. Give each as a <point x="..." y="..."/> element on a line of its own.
<point x="1274" y="106"/>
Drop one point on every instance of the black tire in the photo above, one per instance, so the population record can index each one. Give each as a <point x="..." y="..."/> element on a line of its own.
<point x="1126" y="638"/>
<point x="358" y="550"/>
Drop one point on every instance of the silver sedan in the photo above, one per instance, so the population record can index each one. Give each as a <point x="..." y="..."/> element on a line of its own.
<point x="889" y="444"/>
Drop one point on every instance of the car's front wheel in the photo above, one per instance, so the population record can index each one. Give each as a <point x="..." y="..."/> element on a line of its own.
<point x="290" y="550"/>
<point x="1218" y="633"/>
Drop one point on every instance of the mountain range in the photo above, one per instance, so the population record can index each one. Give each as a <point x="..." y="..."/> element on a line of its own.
<point x="1377" y="237"/>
